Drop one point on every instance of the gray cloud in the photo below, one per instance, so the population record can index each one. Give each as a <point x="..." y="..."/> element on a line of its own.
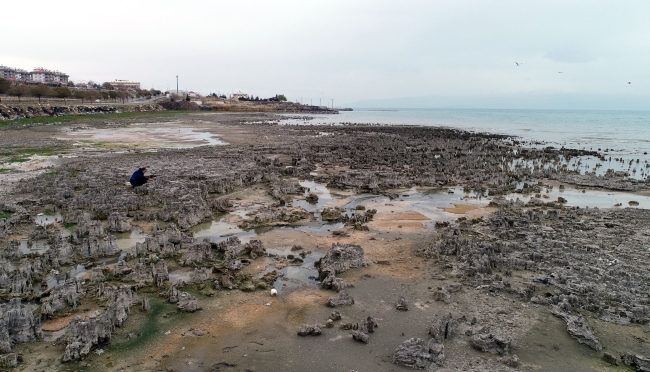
<point x="570" y="55"/>
<point x="346" y="50"/>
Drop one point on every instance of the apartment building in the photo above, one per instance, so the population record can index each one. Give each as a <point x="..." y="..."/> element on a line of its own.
<point x="39" y="75"/>
<point x="125" y="85"/>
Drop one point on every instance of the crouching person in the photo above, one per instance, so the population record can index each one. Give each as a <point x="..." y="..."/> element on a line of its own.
<point x="138" y="178"/>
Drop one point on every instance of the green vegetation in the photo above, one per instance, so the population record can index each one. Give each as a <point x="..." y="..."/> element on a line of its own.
<point x="4" y="170"/>
<point x="5" y="214"/>
<point x="74" y="118"/>
<point x="18" y="160"/>
<point x="150" y="328"/>
<point x="52" y="173"/>
<point x="48" y="212"/>
<point x="69" y="225"/>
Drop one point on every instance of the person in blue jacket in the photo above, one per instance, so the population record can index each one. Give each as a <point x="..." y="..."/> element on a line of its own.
<point x="138" y="178"/>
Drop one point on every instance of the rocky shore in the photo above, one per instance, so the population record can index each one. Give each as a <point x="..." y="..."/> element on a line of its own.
<point x="12" y="112"/>
<point x="335" y="219"/>
<point x="35" y="111"/>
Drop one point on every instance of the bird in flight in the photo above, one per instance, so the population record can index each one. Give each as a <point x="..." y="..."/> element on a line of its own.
<point x="629" y="82"/>
<point x="518" y="64"/>
<point x="560" y="72"/>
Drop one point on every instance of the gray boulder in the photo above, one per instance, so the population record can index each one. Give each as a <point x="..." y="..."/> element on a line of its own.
<point x="417" y="354"/>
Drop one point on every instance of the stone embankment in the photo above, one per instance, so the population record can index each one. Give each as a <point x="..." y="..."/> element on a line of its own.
<point x="22" y="112"/>
<point x="262" y="106"/>
<point x="11" y="112"/>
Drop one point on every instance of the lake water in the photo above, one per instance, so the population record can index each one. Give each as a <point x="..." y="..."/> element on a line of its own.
<point x="625" y="134"/>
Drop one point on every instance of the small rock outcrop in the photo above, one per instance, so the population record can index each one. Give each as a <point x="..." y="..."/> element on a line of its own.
<point x="417" y="354"/>
<point x="66" y="294"/>
<point x="492" y="343"/>
<point x="444" y="328"/>
<point x="342" y="299"/>
<point x="341" y="258"/>
<point x="310" y="330"/>
<point x="187" y="302"/>
<point x="577" y="326"/>
<point x="638" y="362"/>
<point x="83" y="334"/>
<point x="402" y="304"/>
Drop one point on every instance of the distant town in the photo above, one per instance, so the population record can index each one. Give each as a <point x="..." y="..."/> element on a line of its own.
<point x="52" y="84"/>
<point x="53" y="78"/>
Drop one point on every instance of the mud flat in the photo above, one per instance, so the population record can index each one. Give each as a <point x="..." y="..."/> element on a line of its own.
<point x="300" y="247"/>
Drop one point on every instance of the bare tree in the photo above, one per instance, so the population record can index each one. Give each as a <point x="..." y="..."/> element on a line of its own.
<point x="40" y="91"/>
<point x="19" y="91"/>
<point x="5" y="85"/>
<point x="80" y="94"/>
<point x="62" y="92"/>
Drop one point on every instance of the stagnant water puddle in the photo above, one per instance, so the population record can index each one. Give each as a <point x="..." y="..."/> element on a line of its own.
<point x="589" y="198"/>
<point x="320" y="189"/>
<point x="127" y="241"/>
<point x="218" y="231"/>
<point x="38" y="246"/>
<point x="296" y="274"/>
<point x="46" y="219"/>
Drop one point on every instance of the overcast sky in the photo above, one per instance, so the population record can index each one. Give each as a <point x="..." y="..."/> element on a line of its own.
<point x="459" y="52"/>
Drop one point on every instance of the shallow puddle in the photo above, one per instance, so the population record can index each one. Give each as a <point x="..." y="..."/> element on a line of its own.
<point x="218" y="231"/>
<point x="45" y="220"/>
<point x="295" y="275"/>
<point x="39" y="246"/>
<point x="590" y="198"/>
<point x="127" y="241"/>
<point x="168" y="136"/>
<point x="323" y="193"/>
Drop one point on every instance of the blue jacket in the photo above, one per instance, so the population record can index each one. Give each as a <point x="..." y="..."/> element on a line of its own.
<point x="138" y="177"/>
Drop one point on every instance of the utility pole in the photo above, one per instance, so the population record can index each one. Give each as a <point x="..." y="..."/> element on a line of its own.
<point x="332" y="102"/>
<point x="176" y="84"/>
<point x="320" y="102"/>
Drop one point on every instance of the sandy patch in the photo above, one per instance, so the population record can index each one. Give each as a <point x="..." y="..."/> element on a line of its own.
<point x="461" y="208"/>
<point x="401" y="216"/>
<point x="58" y="324"/>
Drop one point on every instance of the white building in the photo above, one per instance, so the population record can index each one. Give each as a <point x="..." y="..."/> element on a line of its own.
<point x="38" y="76"/>
<point x="125" y="85"/>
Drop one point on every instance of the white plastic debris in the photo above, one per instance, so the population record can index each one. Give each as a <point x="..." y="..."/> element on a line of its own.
<point x="274" y="292"/>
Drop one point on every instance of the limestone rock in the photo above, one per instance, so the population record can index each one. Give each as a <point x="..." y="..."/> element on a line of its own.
<point x="444" y="328"/>
<point x="638" y="362"/>
<point x="310" y="330"/>
<point x="577" y="327"/>
<point x="118" y="222"/>
<point x="402" y="304"/>
<point x="342" y="299"/>
<point x="63" y="295"/>
<point x="335" y="315"/>
<point x="187" y="302"/>
<point x="417" y="354"/>
<point x="340" y="258"/>
<point x="492" y="343"/>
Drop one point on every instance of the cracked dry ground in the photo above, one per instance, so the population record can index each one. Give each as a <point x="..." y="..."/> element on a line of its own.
<point x="174" y="301"/>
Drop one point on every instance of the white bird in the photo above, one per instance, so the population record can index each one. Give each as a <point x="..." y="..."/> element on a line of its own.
<point x="274" y="292"/>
